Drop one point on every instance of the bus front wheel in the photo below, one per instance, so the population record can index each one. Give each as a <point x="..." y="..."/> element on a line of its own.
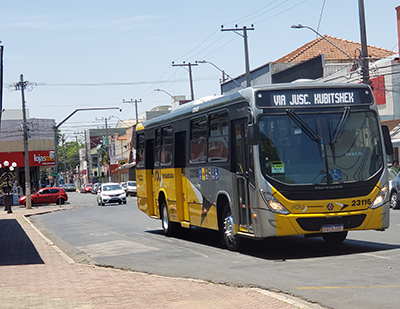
<point x="230" y="239"/>
<point x="335" y="238"/>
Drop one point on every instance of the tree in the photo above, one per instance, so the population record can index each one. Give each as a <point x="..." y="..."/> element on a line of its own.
<point x="68" y="152"/>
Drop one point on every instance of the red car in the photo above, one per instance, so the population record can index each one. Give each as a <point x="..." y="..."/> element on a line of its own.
<point x="87" y="188"/>
<point x="47" y="196"/>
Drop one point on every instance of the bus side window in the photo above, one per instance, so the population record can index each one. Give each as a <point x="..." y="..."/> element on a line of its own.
<point x="140" y="150"/>
<point x="166" y="145"/>
<point x="218" y="139"/>
<point x="157" y="147"/>
<point x="198" y="140"/>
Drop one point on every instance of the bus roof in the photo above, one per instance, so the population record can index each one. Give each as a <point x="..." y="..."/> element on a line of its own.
<point x="244" y="94"/>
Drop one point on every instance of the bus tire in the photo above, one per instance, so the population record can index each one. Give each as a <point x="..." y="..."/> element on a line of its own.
<point x="168" y="226"/>
<point x="394" y="200"/>
<point x="230" y="239"/>
<point x="335" y="238"/>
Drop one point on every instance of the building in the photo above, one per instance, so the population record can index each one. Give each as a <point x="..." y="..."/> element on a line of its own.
<point x="319" y="59"/>
<point x="40" y="143"/>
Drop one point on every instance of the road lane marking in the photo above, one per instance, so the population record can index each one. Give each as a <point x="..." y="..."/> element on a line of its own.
<point x="348" y="287"/>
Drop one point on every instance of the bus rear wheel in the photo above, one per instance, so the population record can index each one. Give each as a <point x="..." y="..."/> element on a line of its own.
<point x="230" y="239"/>
<point x="169" y="227"/>
<point x="335" y="238"/>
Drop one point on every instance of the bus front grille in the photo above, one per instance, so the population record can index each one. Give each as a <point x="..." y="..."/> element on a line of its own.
<point x="315" y="224"/>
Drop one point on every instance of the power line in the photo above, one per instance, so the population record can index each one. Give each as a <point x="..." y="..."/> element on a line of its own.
<point x="320" y="15"/>
<point x="281" y="12"/>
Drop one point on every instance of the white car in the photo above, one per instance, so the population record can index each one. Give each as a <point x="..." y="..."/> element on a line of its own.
<point x="131" y="188"/>
<point x="110" y="193"/>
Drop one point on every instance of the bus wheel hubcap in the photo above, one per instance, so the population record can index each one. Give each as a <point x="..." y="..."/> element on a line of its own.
<point x="165" y="218"/>
<point x="229" y="229"/>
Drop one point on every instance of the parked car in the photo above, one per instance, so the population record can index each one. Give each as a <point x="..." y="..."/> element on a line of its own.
<point x="131" y="188"/>
<point x="394" y="186"/>
<point x="110" y="193"/>
<point x="87" y="187"/>
<point x="123" y="185"/>
<point x="47" y="196"/>
<point x="69" y="187"/>
<point x="95" y="187"/>
<point x="392" y="175"/>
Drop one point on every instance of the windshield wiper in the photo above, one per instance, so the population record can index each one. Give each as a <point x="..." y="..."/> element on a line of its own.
<point x="303" y="125"/>
<point x="340" y="126"/>
<point x="338" y="131"/>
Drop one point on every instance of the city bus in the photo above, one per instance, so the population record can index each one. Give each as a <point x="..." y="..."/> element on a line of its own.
<point x="284" y="159"/>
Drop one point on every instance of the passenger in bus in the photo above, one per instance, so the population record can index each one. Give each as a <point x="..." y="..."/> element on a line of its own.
<point x="395" y="166"/>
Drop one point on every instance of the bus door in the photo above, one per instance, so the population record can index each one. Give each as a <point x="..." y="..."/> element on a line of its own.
<point x="180" y="176"/>
<point x="241" y="162"/>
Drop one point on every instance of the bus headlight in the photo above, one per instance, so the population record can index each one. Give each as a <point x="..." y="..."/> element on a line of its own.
<point x="272" y="203"/>
<point x="380" y="198"/>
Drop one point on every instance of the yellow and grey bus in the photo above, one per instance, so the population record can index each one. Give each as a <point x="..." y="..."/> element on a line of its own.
<point x="287" y="159"/>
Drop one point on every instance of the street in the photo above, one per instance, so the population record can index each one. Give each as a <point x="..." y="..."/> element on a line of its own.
<point x="363" y="272"/>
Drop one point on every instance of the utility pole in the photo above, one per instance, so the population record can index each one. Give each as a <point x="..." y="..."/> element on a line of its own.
<point x="136" y="109"/>
<point x="107" y="148"/>
<point x="190" y="75"/>
<point x="246" y="49"/>
<point x="64" y="154"/>
<point x="22" y="85"/>
<point x="364" y="48"/>
<point x="79" y="162"/>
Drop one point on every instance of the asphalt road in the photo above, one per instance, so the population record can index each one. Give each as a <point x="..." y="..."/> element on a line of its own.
<point x="363" y="272"/>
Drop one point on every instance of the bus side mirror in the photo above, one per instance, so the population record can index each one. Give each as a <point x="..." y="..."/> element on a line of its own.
<point x="387" y="140"/>
<point x="252" y="136"/>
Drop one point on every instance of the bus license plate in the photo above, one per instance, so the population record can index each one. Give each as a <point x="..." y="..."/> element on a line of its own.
<point x="332" y="228"/>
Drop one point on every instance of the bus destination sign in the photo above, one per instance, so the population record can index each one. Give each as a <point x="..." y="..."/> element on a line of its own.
<point x="313" y="97"/>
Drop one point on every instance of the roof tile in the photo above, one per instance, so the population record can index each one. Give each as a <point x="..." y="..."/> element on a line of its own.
<point x="331" y="53"/>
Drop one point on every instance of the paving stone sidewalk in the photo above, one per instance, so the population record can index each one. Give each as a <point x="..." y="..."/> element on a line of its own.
<point x="34" y="273"/>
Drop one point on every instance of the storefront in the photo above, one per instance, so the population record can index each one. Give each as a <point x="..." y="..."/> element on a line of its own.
<point x="38" y="160"/>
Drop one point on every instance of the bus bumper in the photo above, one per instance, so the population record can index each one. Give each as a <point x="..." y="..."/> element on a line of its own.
<point x="301" y="224"/>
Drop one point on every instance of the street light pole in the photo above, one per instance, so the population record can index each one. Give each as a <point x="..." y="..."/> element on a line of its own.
<point x="300" y="26"/>
<point x="8" y="177"/>
<point x="223" y="72"/>
<point x="55" y="135"/>
<point x="172" y="97"/>
<point x="79" y="162"/>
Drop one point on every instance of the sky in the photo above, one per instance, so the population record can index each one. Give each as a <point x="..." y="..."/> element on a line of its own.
<point x="91" y="54"/>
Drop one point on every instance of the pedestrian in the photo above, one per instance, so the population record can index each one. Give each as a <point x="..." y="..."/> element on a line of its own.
<point x="395" y="166"/>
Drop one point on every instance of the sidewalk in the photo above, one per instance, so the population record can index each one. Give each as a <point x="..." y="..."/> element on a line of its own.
<point x="34" y="273"/>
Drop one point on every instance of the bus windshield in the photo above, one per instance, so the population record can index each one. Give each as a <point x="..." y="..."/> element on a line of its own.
<point x="325" y="148"/>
